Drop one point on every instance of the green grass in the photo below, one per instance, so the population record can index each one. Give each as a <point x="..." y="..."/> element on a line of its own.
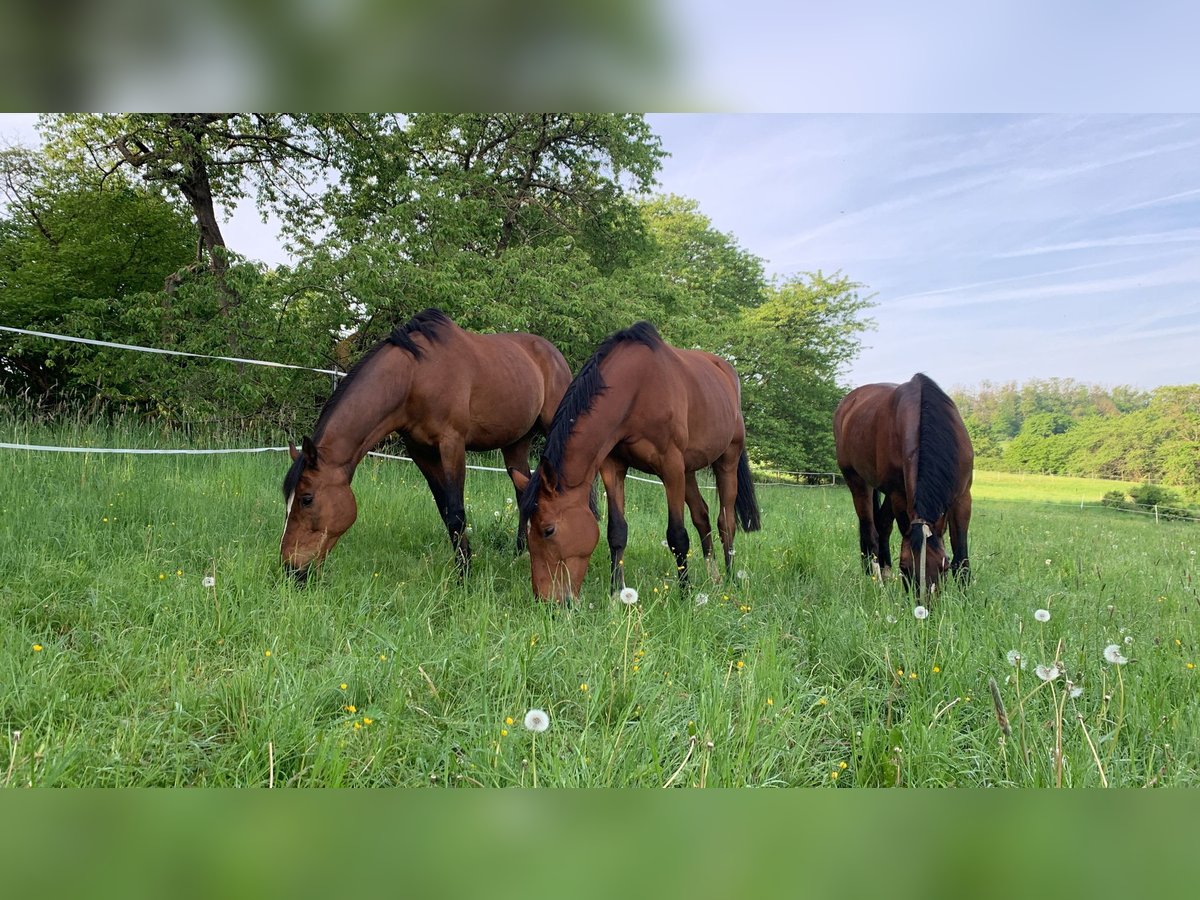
<point x="146" y="677"/>
<point x="1043" y="488"/>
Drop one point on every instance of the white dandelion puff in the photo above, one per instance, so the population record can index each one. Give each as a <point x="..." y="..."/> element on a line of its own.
<point x="508" y="501"/>
<point x="1015" y="658"/>
<point x="1042" y="615"/>
<point x="742" y="574"/>
<point x="1128" y="640"/>
<point x="628" y="596"/>
<point x="496" y="513"/>
<point x="1048" y="673"/>
<point x="1075" y="690"/>
<point x="209" y="581"/>
<point x="891" y="620"/>
<point x="701" y="599"/>
<point x="920" y="612"/>
<point x="537" y="720"/>
<point x="1112" y="654"/>
<point x="1047" y="562"/>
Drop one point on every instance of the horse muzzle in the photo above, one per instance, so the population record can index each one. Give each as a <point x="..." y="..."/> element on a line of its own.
<point x="299" y="574"/>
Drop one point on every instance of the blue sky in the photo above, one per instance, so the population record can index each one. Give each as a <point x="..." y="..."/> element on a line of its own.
<point x="998" y="248"/>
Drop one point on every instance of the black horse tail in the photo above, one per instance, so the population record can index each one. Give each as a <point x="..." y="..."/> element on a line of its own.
<point x="746" y="504"/>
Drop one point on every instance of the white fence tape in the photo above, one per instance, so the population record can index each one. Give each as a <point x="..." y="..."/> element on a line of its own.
<point x="96" y="343"/>
<point x="278" y="365"/>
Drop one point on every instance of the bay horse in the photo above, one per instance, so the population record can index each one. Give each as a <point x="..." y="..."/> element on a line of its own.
<point x="907" y="444"/>
<point x="637" y="403"/>
<point x="444" y="391"/>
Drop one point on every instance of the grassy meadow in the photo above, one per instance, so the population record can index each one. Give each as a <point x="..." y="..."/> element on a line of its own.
<point x="119" y="666"/>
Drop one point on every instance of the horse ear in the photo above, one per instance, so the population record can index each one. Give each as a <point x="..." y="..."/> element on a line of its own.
<point x="293" y="451"/>
<point x="520" y="479"/>
<point x="310" y="452"/>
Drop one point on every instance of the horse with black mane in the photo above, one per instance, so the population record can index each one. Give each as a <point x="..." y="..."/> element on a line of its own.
<point x="637" y="403"/>
<point x="444" y="391"/>
<point x="907" y="445"/>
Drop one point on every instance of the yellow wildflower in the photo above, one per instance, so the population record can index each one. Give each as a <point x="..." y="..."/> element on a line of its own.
<point x="37" y="648"/>
<point x="383" y="657"/>
<point x="357" y="725"/>
<point x="503" y="732"/>
<point x="740" y="664"/>
<point x="343" y="685"/>
<point x="1191" y="665"/>
<point x="367" y="721"/>
<point x="350" y="708"/>
<point x="770" y="702"/>
<point x="842" y="764"/>
<point x="266" y="653"/>
<point x="936" y="669"/>
<point x="834" y="774"/>
<point x="583" y="687"/>
<point x="508" y="721"/>
<point x="822" y="702"/>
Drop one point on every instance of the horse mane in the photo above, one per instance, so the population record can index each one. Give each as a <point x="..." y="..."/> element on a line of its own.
<point x="580" y="397"/>
<point x="938" y="456"/>
<point x="428" y="323"/>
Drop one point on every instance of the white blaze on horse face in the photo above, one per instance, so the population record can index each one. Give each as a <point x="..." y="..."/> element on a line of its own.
<point x="287" y="517"/>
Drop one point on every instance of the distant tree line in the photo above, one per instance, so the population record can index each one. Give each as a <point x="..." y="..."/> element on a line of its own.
<point x="546" y="223"/>
<point x="1062" y="427"/>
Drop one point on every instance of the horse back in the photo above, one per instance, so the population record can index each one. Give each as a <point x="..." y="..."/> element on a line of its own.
<point x="491" y="388"/>
<point x="688" y="398"/>
<point x="870" y="435"/>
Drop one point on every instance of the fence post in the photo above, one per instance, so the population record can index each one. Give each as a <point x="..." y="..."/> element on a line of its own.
<point x="1155" y="513"/>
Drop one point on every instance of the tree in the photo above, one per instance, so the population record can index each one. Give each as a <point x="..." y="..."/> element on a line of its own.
<point x="71" y="252"/>
<point x="791" y="351"/>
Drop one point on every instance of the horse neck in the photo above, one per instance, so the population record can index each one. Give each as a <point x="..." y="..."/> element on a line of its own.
<point x="596" y="432"/>
<point x="373" y="406"/>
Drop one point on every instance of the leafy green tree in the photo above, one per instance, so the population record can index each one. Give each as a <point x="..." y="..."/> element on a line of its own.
<point x="71" y="254"/>
<point x="790" y="352"/>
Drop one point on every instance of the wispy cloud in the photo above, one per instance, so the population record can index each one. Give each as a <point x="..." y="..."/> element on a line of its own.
<point x="1179" y="236"/>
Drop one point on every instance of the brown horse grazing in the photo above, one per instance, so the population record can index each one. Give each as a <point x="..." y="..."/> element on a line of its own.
<point x="908" y="443"/>
<point x="444" y="391"/>
<point x="639" y="403"/>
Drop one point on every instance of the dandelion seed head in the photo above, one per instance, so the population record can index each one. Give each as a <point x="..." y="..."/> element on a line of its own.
<point x="537" y="720"/>
<point x="1048" y="673"/>
<point x="742" y="574"/>
<point x="1128" y="640"/>
<point x="920" y="612"/>
<point x="629" y="596"/>
<point x="1042" y="615"/>
<point x="1112" y="655"/>
<point x="1015" y="658"/>
<point x="701" y="599"/>
<point x="208" y="581"/>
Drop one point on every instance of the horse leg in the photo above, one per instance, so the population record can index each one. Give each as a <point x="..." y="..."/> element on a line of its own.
<point x="700" y="521"/>
<point x="675" y="483"/>
<point x="884" y="517"/>
<point x="445" y="470"/>
<point x="612" y="473"/>
<point x="960" y="518"/>
<point x="725" y="471"/>
<point x="864" y="507"/>
<point x="516" y="459"/>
